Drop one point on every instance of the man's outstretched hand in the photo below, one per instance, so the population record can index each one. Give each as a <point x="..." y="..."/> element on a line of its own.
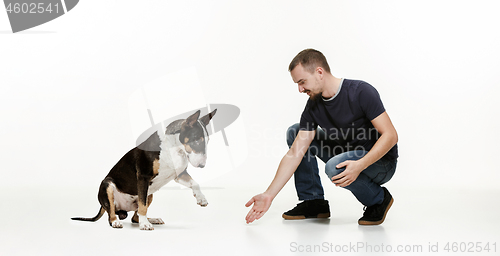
<point x="261" y="204"/>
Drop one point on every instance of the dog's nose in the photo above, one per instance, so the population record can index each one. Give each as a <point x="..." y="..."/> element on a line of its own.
<point x="201" y="165"/>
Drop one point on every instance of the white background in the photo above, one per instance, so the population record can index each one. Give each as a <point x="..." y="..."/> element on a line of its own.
<point x="65" y="85"/>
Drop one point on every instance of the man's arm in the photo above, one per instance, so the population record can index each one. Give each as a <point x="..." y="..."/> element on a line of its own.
<point x="286" y="168"/>
<point x="387" y="140"/>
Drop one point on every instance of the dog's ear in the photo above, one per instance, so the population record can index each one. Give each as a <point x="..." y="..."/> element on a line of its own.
<point x="208" y="117"/>
<point x="193" y="118"/>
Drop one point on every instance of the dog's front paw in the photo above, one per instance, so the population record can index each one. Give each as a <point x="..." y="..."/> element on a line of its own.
<point x="146" y="226"/>
<point x="144" y="223"/>
<point x="117" y="224"/>
<point x="202" y="201"/>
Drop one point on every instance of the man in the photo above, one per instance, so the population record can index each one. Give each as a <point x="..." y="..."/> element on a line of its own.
<point x="356" y="140"/>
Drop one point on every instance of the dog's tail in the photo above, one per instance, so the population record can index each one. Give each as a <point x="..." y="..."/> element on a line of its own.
<point x="98" y="216"/>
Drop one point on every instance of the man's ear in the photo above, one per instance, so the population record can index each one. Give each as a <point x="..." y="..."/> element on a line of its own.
<point x="192" y="118"/>
<point x="320" y="71"/>
<point x="206" y="119"/>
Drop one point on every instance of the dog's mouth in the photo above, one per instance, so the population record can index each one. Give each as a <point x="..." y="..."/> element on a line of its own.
<point x="197" y="160"/>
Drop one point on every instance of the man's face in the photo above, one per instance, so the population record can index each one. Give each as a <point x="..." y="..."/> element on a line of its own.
<point x="308" y="82"/>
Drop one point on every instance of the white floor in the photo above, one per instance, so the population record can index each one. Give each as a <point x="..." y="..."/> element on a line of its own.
<point x="37" y="222"/>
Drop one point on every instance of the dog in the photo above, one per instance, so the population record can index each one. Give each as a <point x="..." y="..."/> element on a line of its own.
<point x="130" y="184"/>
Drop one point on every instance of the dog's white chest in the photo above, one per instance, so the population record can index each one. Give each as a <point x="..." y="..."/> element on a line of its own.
<point x="172" y="162"/>
<point x="160" y="180"/>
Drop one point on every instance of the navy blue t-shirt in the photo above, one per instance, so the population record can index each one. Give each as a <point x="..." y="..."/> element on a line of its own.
<point x="346" y="118"/>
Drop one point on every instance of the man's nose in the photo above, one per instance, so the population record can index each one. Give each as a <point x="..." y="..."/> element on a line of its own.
<point x="301" y="89"/>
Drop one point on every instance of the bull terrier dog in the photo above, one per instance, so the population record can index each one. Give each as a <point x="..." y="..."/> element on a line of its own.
<point x="163" y="157"/>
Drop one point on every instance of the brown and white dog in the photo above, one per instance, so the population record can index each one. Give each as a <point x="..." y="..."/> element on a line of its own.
<point x="130" y="184"/>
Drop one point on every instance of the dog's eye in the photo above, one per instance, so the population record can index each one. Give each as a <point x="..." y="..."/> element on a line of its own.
<point x="198" y="142"/>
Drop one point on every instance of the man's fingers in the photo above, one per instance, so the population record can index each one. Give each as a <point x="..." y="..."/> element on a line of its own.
<point x="343" y="164"/>
<point x="250" y="202"/>
<point x="339" y="180"/>
<point x="249" y="216"/>
<point x="342" y="174"/>
<point x="338" y="177"/>
<point x="252" y="215"/>
<point x="344" y="182"/>
<point x="259" y="215"/>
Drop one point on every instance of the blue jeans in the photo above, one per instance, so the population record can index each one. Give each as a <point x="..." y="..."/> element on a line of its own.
<point x="366" y="188"/>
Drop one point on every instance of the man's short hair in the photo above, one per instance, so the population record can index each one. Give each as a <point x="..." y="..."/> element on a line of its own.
<point x="310" y="59"/>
